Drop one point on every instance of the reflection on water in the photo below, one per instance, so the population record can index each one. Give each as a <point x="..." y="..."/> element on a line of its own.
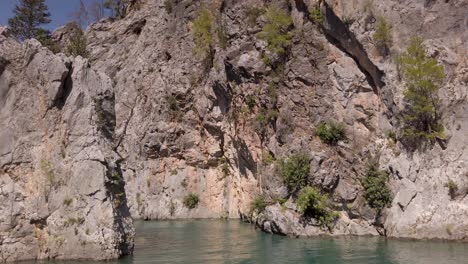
<point x="218" y="241"/>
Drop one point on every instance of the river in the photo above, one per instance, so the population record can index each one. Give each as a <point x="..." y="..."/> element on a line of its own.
<point x="231" y="241"/>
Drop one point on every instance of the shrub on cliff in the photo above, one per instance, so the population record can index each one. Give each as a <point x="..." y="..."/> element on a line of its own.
<point x="315" y="15"/>
<point x="383" y="36"/>
<point x="77" y="45"/>
<point x="311" y="203"/>
<point x="253" y="14"/>
<point x="376" y="191"/>
<point x="202" y="34"/>
<point x="258" y="205"/>
<point x="191" y="200"/>
<point x="330" y="132"/>
<point x="423" y="77"/>
<point x="276" y="30"/>
<point x="453" y="188"/>
<point x="118" y="8"/>
<point x="294" y="171"/>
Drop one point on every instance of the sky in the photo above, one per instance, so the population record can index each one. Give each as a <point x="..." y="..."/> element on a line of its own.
<point x="60" y="10"/>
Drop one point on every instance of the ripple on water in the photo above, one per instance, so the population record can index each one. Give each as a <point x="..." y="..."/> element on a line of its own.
<point x="219" y="241"/>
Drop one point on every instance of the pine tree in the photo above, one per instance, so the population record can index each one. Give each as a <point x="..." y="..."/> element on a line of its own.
<point x="29" y="16"/>
<point x="423" y="77"/>
<point x="383" y="36"/>
<point x="117" y="7"/>
<point x="276" y="30"/>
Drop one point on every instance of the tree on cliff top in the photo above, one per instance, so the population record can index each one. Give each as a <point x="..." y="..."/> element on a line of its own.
<point x="118" y="8"/>
<point x="29" y="16"/>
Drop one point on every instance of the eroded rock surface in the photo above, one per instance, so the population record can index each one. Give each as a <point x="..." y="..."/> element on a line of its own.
<point x="143" y="123"/>
<point x="61" y="190"/>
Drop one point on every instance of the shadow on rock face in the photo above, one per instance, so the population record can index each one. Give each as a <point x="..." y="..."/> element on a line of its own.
<point x="245" y="160"/>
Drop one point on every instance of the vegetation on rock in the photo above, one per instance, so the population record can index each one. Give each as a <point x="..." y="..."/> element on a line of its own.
<point x="295" y="171"/>
<point x="268" y="158"/>
<point x="77" y="45"/>
<point x="330" y="132"/>
<point x="311" y="203"/>
<point x="453" y="188"/>
<point x="191" y="200"/>
<point x="423" y="77"/>
<point x="315" y="15"/>
<point x="258" y="205"/>
<point x="202" y="34"/>
<point x="376" y="191"/>
<point x="117" y="7"/>
<point x="276" y="30"/>
<point x="383" y="36"/>
<point x="169" y="5"/>
<point x="253" y="14"/>
<point x="25" y="24"/>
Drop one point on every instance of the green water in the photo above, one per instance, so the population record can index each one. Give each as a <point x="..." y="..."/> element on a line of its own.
<point x="218" y="241"/>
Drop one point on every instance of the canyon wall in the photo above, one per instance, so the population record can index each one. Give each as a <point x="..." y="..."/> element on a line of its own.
<point x="86" y="144"/>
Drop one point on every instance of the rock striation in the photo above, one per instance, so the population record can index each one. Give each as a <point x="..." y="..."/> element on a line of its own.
<point x="61" y="189"/>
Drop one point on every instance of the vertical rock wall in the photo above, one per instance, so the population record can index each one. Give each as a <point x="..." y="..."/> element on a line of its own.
<point x="61" y="189"/>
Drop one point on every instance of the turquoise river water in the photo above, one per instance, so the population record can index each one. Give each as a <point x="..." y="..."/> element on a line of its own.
<point x="219" y="241"/>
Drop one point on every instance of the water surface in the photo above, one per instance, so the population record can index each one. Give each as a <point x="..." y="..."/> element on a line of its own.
<point x="219" y="241"/>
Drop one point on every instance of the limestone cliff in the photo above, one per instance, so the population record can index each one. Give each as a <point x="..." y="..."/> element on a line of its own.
<point x="61" y="189"/>
<point x="85" y="144"/>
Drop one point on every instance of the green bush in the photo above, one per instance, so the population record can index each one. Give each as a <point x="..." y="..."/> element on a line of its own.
<point x="273" y="92"/>
<point x="175" y="112"/>
<point x="225" y="169"/>
<point x="261" y="119"/>
<point x="77" y="45"/>
<point x="253" y="14"/>
<point x="423" y="77"/>
<point x="73" y="221"/>
<point x="191" y="200"/>
<point x="383" y="36"/>
<point x="453" y="188"/>
<point x="67" y="201"/>
<point x="172" y="103"/>
<point x="202" y="34"/>
<point x="376" y="191"/>
<point x="250" y="101"/>
<point x="330" y="132"/>
<point x="315" y="15"/>
<point x="391" y="135"/>
<point x="46" y="40"/>
<point x="268" y="158"/>
<point x="258" y="205"/>
<point x="311" y="203"/>
<point x="276" y="30"/>
<point x="294" y="171"/>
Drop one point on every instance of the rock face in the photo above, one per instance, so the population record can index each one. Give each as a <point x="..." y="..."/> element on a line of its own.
<point x="130" y="133"/>
<point x="61" y="189"/>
